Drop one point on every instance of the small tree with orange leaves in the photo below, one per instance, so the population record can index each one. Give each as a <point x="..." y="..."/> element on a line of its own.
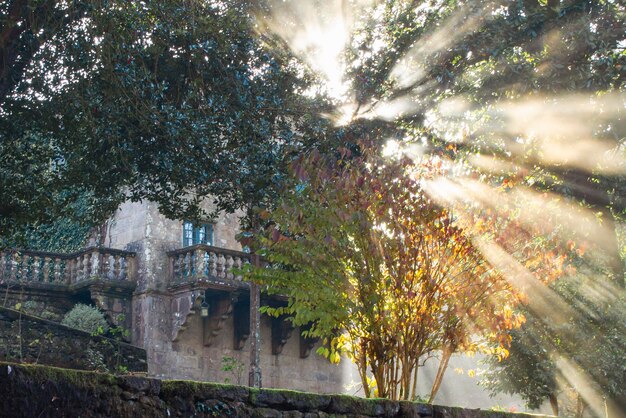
<point x="358" y="246"/>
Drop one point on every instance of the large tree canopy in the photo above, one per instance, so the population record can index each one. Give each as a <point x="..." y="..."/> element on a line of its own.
<point x="162" y="100"/>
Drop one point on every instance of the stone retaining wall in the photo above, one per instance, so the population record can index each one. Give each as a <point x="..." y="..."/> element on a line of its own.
<point x="38" y="391"/>
<point x="28" y="339"/>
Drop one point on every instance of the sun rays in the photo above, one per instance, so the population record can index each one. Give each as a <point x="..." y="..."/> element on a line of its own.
<point x="517" y="141"/>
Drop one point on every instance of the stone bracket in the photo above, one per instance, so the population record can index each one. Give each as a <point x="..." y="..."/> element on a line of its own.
<point x="183" y="307"/>
<point x="306" y="343"/>
<point x="281" y="332"/>
<point x="221" y="306"/>
<point x="241" y="324"/>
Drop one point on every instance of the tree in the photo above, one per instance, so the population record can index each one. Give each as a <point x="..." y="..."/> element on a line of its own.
<point x="167" y="101"/>
<point x="525" y="103"/>
<point x="591" y="336"/>
<point x="380" y="271"/>
<point x="518" y="85"/>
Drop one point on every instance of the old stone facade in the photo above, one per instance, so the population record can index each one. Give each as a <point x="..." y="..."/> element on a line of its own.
<point x="172" y="282"/>
<point x="148" y="279"/>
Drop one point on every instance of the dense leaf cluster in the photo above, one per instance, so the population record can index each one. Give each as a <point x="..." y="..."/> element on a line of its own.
<point x="161" y="100"/>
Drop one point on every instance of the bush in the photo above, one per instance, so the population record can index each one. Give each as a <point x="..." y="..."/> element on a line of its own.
<point x="86" y="318"/>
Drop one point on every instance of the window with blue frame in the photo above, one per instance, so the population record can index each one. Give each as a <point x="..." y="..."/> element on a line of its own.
<point x="197" y="234"/>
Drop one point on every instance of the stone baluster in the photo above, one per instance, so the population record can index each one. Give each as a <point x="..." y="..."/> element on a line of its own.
<point x="14" y="267"/>
<point x="25" y="268"/>
<point x="57" y="270"/>
<point x="221" y="273"/>
<point x="123" y="268"/>
<point x="105" y="266"/>
<point x="237" y="264"/>
<point x="74" y="270"/>
<point x="68" y="271"/>
<point x="212" y="264"/>
<point x="181" y="267"/>
<point x="87" y="263"/>
<point x="229" y="262"/>
<point x="35" y="268"/>
<point x="187" y="266"/>
<point x="96" y="263"/>
<point x="181" y="264"/>
<point x="116" y="267"/>
<point x="206" y="258"/>
<point x="199" y="265"/>
<point x="46" y="269"/>
<point x="176" y="267"/>
<point x="78" y="269"/>
<point x="131" y="268"/>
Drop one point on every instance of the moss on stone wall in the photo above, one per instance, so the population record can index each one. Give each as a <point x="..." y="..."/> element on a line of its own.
<point x="47" y="391"/>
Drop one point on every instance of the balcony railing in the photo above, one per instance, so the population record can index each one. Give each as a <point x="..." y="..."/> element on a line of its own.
<point x="67" y="269"/>
<point x="204" y="262"/>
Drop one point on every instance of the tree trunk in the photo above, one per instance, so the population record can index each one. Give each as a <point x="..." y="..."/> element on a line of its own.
<point x="580" y="406"/>
<point x="414" y="387"/>
<point x="362" y="367"/>
<point x="255" y="329"/>
<point x="554" y="403"/>
<point x="443" y="365"/>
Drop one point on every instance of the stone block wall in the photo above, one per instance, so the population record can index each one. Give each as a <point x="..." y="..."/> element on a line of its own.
<point x="189" y="358"/>
<point x="30" y="391"/>
<point x="28" y="339"/>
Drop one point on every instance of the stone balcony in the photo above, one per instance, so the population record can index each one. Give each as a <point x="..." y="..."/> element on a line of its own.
<point x="215" y="267"/>
<point x="105" y="276"/>
<point x="68" y="270"/>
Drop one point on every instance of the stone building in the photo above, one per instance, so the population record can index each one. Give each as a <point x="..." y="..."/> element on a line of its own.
<point x="153" y="276"/>
<point x="180" y="265"/>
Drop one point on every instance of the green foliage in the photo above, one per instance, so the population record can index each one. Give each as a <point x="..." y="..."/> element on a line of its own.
<point x="234" y="367"/>
<point x="65" y="234"/>
<point x="528" y="370"/>
<point x="358" y="246"/>
<point x="590" y="336"/>
<point x="166" y="101"/>
<point x="86" y="318"/>
<point x="95" y="360"/>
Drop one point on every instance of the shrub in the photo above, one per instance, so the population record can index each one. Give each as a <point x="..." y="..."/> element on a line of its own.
<point x="86" y="318"/>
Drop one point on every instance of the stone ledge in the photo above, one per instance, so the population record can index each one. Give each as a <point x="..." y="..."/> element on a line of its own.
<point x="48" y="391"/>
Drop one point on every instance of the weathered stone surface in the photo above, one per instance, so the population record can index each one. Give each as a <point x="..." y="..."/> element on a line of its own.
<point x="415" y="410"/>
<point x="285" y="399"/>
<point x="34" y="340"/>
<point x="40" y="391"/>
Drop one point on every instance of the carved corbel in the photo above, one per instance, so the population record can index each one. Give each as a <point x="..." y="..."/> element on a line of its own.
<point x="220" y="309"/>
<point x="306" y="343"/>
<point x="183" y="307"/>
<point x="241" y="323"/>
<point x="281" y="332"/>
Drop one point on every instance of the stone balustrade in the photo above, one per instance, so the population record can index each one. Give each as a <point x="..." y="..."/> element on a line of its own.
<point x="204" y="262"/>
<point x="67" y="269"/>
